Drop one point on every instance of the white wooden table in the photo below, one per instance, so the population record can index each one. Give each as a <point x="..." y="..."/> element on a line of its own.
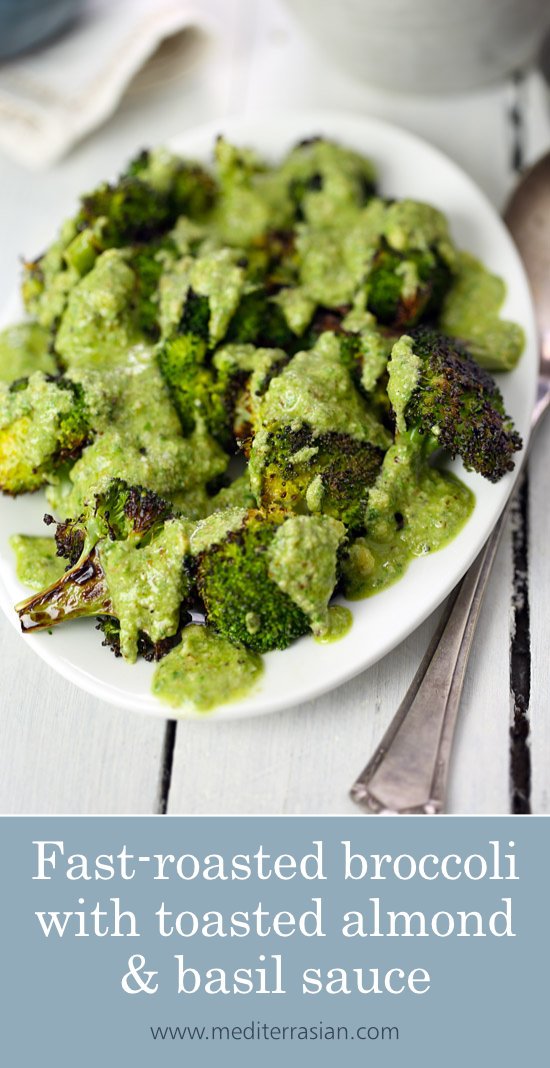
<point x="64" y="751"/>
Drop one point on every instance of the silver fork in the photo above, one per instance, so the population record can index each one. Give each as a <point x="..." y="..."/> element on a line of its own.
<point x="409" y="770"/>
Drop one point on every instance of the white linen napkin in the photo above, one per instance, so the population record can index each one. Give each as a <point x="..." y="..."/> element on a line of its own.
<point x="52" y="97"/>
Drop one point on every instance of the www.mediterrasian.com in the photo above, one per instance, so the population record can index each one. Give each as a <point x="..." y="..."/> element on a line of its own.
<point x="256" y="1031"/>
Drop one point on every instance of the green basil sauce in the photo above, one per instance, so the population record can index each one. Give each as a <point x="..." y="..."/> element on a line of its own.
<point x="37" y="564"/>
<point x="339" y="622"/>
<point x="140" y="440"/>
<point x="302" y="561"/>
<point x="404" y="368"/>
<point x="29" y="420"/>
<point x="24" y="348"/>
<point x="147" y="584"/>
<point x="205" y="671"/>
<point x="98" y="326"/>
<point x="429" y="517"/>
<point x="471" y="313"/>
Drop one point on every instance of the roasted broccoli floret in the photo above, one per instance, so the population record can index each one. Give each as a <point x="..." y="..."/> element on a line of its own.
<point x="254" y="199"/>
<point x="402" y="289"/>
<point x="147" y="649"/>
<point x="267" y="579"/>
<point x="140" y="207"/>
<point x="194" y="191"/>
<point x="199" y="294"/>
<point x="299" y="188"/>
<point x="132" y="567"/>
<point x="364" y="353"/>
<point x="437" y="388"/>
<point x="315" y="391"/>
<point x="186" y="368"/>
<point x="147" y="199"/>
<point x="240" y="599"/>
<point x="324" y="177"/>
<point x="327" y="473"/>
<point x="243" y="376"/>
<point x="130" y="211"/>
<point x="113" y="216"/>
<point x="186" y="362"/>
<point x="271" y="259"/>
<point x="193" y="386"/>
<point x="192" y="338"/>
<point x="99" y="322"/>
<point x="260" y="321"/>
<point x="43" y="422"/>
<point x="147" y="262"/>
<point x="117" y="512"/>
<point x="412" y="261"/>
<point x="189" y="188"/>
<point x="81" y="591"/>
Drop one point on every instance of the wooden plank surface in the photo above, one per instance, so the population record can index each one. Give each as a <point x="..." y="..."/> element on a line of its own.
<point x="537" y="542"/>
<point x="63" y="751"/>
<point x="539" y="592"/>
<point x="479" y="779"/>
<point x="302" y="760"/>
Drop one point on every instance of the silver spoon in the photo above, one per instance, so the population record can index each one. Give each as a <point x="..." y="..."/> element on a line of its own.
<point x="408" y="771"/>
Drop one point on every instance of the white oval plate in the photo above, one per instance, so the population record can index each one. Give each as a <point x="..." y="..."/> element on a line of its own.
<point x="408" y="167"/>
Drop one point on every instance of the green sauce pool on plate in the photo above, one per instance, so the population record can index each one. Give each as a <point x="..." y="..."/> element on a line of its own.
<point x="205" y="670"/>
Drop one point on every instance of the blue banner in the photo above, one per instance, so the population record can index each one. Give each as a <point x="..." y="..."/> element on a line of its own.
<point x="173" y="940"/>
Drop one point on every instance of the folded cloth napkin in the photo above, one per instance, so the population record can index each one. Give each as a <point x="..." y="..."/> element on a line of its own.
<point x="52" y="97"/>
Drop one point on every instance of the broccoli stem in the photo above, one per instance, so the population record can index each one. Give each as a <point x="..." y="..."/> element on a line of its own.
<point x="81" y="591"/>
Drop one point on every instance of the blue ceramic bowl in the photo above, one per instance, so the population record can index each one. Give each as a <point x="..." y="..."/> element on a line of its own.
<point x="26" y="24"/>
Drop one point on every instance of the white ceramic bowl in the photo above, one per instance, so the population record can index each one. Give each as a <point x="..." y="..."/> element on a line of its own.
<point x="407" y="167"/>
<point x="426" y="45"/>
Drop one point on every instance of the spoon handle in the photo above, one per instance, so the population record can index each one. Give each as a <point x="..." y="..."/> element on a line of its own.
<point x="408" y="771"/>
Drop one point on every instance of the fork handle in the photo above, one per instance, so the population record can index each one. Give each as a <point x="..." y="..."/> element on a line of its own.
<point x="408" y="771"/>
